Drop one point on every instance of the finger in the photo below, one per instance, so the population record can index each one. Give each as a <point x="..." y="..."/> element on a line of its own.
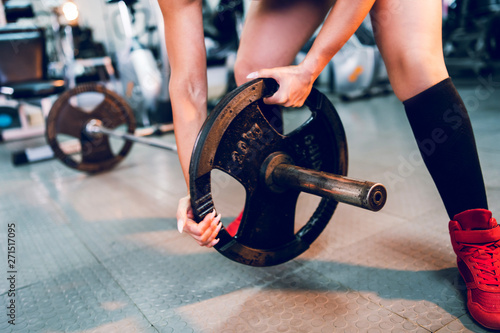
<point x="266" y="72"/>
<point x="207" y="221"/>
<point x="190" y="213"/>
<point x="280" y="97"/>
<point x="211" y="233"/>
<point x="208" y="234"/>
<point x="253" y="75"/>
<point x="193" y="229"/>
<point x="196" y="230"/>
<point x="276" y="99"/>
<point x="214" y="233"/>
<point x="214" y="242"/>
<point x="210" y="240"/>
<point x="182" y="213"/>
<point x="181" y="223"/>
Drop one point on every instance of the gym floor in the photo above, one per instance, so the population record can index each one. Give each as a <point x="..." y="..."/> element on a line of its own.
<point x="101" y="253"/>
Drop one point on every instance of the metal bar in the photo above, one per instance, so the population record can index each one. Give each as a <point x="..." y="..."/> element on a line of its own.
<point x="360" y="193"/>
<point x="94" y="127"/>
<point x="70" y="147"/>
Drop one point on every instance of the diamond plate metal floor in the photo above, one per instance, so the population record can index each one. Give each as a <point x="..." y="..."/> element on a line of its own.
<point x="102" y="254"/>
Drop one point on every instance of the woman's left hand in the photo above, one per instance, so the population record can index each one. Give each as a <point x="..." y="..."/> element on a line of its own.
<point x="295" y="84"/>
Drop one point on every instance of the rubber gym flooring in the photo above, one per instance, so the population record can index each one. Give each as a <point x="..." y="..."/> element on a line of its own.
<point x="101" y="253"/>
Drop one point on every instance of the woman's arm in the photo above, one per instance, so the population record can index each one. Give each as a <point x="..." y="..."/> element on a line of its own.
<point x="185" y="42"/>
<point x="188" y="83"/>
<point x="296" y="82"/>
<point x="344" y="19"/>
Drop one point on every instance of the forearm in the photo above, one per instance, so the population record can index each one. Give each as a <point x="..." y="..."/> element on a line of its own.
<point x="341" y="23"/>
<point x="189" y="113"/>
<point x="188" y="83"/>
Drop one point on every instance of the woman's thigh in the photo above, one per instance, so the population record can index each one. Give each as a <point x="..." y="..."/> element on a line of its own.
<point x="408" y="34"/>
<point x="275" y="31"/>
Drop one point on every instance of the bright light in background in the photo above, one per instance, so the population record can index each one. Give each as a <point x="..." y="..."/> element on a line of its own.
<point x="70" y="11"/>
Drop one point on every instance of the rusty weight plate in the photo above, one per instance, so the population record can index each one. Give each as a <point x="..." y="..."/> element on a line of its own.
<point x="237" y="139"/>
<point x="68" y="117"/>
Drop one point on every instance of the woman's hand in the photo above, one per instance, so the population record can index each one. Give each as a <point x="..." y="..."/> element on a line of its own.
<point x="205" y="231"/>
<point x="295" y="84"/>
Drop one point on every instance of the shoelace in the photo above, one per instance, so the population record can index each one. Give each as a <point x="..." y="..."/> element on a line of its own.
<point x="487" y="261"/>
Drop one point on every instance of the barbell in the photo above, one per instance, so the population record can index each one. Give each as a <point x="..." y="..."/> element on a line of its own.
<point x="274" y="169"/>
<point x="76" y="114"/>
<point x="237" y="139"/>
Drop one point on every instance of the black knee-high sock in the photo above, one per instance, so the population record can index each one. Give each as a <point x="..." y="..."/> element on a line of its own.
<point x="443" y="131"/>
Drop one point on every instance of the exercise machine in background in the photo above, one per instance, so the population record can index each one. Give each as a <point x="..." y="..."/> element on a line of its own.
<point x="40" y="59"/>
<point x="139" y="72"/>
<point x="142" y="61"/>
<point x="26" y="91"/>
<point x="223" y="23"/>
<point x="222" y="27"/>
<point x="75" y="56"/>
<point x="471" y="35"/>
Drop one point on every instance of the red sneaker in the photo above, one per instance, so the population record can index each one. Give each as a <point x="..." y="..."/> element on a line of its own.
<point x="232" y="228"/>
<point x="475" y="237"/>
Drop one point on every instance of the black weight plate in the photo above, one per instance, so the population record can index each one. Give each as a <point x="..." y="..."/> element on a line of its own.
<point x="66" y="118"/>
<point x="236" y="139"/>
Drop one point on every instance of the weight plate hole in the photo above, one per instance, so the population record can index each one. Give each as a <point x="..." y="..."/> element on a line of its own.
<point x="293" y="118"/>
<point x="306" y="205"/>
<point x="87" y="101"/>
<point x="228" y="196"/>
<point x="70" y="146"/>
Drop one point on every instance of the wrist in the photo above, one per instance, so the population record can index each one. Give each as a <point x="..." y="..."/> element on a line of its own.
<point x="313" y="66"/>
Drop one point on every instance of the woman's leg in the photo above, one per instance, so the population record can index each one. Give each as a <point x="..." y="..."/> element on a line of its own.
<point x="408" y="34"/>
<point x="275" y="31"/>
<point x="273" y="34"/>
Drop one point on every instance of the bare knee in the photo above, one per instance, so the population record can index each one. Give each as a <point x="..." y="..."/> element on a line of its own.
<point x="241" y="70"/>
<point x="243" y="67"/>
<point x="412" y="71"/>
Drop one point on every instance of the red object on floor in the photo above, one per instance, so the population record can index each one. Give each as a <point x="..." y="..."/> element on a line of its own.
<point x="232" y="228"/>
<point x="475" y="237"/>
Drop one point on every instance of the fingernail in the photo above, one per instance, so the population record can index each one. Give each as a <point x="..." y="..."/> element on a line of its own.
<point x="180" y="225"/>
<point x="218" y="217"/>
<point x="215" y="241"/>
<point x="253" y="75"/>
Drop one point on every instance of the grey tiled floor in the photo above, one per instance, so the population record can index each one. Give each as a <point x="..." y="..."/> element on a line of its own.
<point x="102" y="254"/>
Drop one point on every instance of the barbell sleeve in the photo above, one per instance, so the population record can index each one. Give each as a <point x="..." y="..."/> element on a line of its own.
<point x="360" y="193"/>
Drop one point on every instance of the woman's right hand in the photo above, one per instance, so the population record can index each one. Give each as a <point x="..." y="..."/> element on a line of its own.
<point x="204" y="232"/>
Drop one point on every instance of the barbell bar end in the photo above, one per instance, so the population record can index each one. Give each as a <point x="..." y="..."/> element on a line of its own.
<point x="280" y="174"/>
<point x="376" y="196"/>
<point x="93" y="127"/>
